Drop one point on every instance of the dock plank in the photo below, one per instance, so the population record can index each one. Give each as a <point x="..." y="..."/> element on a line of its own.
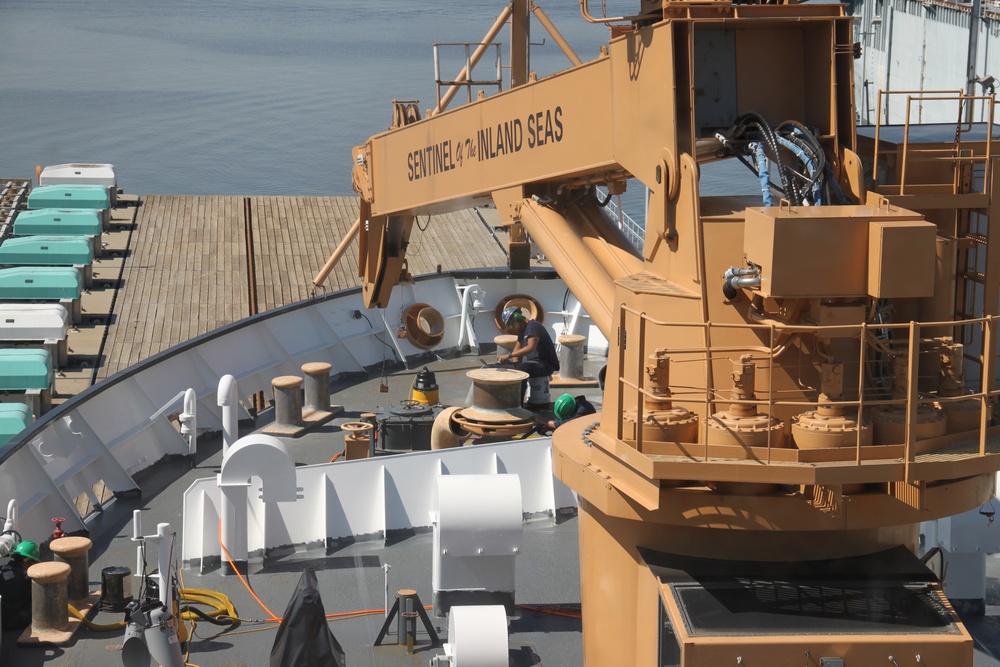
<point x="186" y="269"/>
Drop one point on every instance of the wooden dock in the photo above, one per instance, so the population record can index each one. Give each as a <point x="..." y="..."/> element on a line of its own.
<point x="191" y="264"/>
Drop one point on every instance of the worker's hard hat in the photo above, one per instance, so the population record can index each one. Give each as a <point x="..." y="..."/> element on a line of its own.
<point x="564" y="406"/>
<point x="27" y="549"/>
<point x="511" y="314"/>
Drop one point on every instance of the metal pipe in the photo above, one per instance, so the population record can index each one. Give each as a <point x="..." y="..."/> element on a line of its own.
<point x="226" y="399"/>
<point x="465" y="313"/>
<point x="467" y="327"/>
<point x="886" y="82"/>
<point x="584" y="258"/>
<point x="557" y="36"/>
<point x="189" y="420"/>
<point x="337" y="254"/>
<point x="477" y="54"/>
<point x="973" y="57"/>
<point x="443" y="435"/>
<point x="163" y="544"/>
<point x="11" y="522"/>
<point x="585" y="11"/>
<point x="574" y="319"/>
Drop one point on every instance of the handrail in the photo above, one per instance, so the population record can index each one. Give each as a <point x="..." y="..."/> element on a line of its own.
<point x="587" y="16"/>
<point x="954" y="153"/>
<point x="708" y="395"/>
<point x="635" y="232"/>
<point x="466" y="72"/>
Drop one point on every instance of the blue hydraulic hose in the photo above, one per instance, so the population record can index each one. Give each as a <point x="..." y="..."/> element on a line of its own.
<point x="763" y="170"/>
<point x="810" y="168"/>
<point x="834" y="185"/>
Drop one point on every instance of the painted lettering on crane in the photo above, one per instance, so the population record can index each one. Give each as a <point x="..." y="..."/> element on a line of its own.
<point x="535" y="130"/>
<point x="430" y="160"/>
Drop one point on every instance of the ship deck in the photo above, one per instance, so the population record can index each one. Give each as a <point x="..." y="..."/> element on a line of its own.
<point x="351" y="578"/>
<point x="163" y="280"/>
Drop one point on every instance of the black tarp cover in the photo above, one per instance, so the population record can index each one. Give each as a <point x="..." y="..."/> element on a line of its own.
<point x="304" y="639"/>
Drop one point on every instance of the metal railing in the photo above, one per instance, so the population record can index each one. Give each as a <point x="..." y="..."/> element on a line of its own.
<point x="634" y="231"/>
<point x="778" y="337"/>
<point x="960" y="152"/>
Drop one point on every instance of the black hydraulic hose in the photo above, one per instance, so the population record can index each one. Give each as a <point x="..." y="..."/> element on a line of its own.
<point x="807" y="135"/>
<point x="803" y="137"/>
<point x="770" y="140"/>
<point x="607" y="200"/>
<point x="214" y="620"/>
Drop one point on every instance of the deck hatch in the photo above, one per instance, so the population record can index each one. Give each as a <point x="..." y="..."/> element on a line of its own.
<point x="837" y="597"/>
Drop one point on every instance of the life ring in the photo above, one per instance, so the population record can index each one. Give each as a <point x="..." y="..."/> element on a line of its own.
<point x="424" y="326"/>
<point x="522" y="301"/>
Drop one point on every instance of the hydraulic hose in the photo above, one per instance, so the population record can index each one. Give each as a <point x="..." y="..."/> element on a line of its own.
<point x="221" y="612"/>
<point x="219" y="604"/>
<point x="810" y="167"/>
<point x="96" y="627"/>
<point x="221" y="620"/>
<point x="769" y="138"/>
<point x="763" y="171"/>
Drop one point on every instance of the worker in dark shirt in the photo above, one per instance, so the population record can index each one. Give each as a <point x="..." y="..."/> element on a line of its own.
<point x="569" y="407"/>
<point x="534" y="353"/>
<point x="15" y="586"/>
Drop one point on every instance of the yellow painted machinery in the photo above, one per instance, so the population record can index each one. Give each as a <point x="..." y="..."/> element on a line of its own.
<point x="795" y="379"/>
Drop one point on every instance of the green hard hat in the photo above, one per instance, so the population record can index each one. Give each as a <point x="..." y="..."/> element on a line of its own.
<point x="564" y="406"/>
<point x="27" y="549"/>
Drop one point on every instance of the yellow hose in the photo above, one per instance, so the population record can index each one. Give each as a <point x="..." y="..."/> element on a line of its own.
<point x="96" y="627"/>
<point x="219" y="605"/>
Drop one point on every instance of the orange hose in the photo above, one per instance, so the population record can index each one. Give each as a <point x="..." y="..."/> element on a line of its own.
<point x="276" y="619"/>
<point x="549" y="611"/>
<point x="247" y="585"/>
<point x="337" y="456"/>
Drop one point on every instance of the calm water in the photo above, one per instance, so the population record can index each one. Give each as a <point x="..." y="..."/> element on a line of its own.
<point x="233" y="97"/>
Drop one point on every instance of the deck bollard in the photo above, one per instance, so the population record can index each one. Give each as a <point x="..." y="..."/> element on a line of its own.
<point x="571" y="356"/>
<point x="49" y="597"/>
<point x="74" y="551"/>
<point x="496" y="389"/>
<point x="505" y="343"/>
<point x="287" y="400"/>
<point x="317" y="386"/>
